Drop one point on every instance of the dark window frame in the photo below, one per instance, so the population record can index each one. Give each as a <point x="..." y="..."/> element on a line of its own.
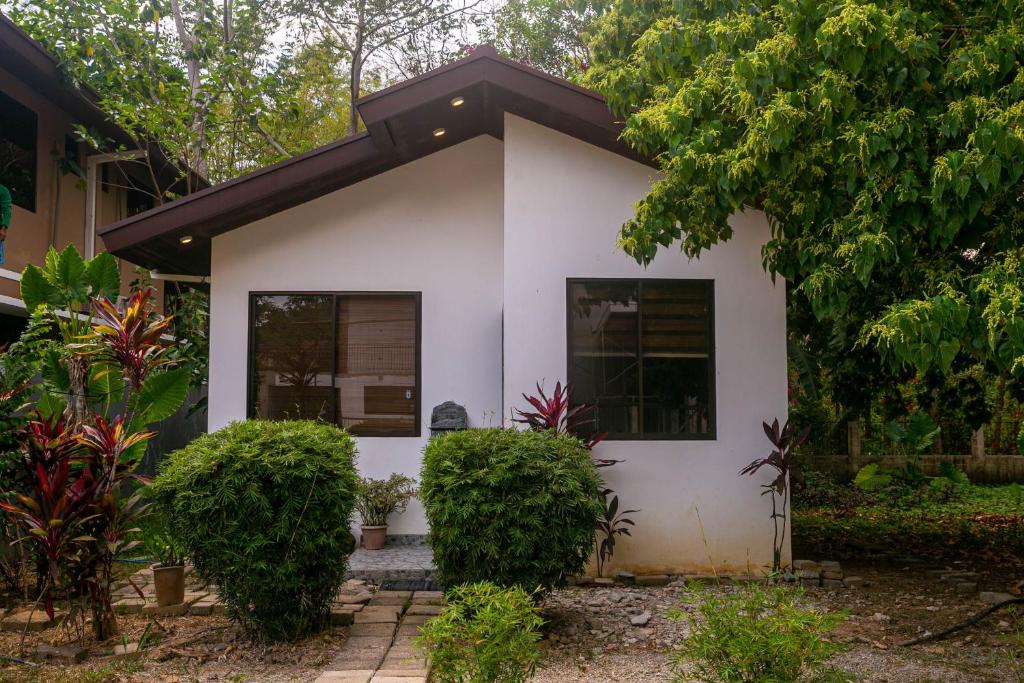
<point x="335" y="295"/>
<point x="712" y="433"/>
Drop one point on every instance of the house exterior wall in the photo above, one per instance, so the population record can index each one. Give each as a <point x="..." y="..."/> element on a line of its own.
<point x="63" y="222"/>
<point x="432" y="226"/>
<point x="564" y="203"/>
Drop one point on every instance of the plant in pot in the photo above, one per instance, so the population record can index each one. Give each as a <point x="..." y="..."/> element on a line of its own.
<point x="377" y="499"/>
<point x="169" y="570"/>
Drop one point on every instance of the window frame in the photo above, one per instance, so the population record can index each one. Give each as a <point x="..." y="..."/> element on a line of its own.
<point x="709" y="284"/>
<point x="335" y="295"/>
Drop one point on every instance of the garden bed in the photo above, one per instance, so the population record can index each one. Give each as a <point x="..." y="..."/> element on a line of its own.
<point x="978" y="523"/>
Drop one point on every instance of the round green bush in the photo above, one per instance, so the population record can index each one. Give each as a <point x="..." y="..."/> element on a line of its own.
<point x="263" y="510"/>
<point x="517" y="508"/>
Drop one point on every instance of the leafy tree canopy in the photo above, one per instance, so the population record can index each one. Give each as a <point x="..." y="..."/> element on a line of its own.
<point x="883" y="140"/>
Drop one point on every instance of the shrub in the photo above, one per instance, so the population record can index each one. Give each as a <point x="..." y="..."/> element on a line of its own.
<point x="512" y="507"/>
<point x="757" y="634"/>
<point x="378" y="498"/>
<point x="484" y="634"/>
<point x="263" y="510"/>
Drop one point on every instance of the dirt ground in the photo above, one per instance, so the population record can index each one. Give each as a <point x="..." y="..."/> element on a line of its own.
<point x="591" y="637"/>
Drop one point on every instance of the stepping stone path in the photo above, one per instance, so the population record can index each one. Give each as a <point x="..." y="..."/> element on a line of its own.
<point x="379" y="647"/>
<point x="200" y="599"/>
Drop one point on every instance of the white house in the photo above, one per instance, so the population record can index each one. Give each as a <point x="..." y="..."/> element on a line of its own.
<point x="464" y="248"/>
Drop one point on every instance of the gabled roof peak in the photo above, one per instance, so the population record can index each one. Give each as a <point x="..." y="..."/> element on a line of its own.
<point x="406" y="121"/>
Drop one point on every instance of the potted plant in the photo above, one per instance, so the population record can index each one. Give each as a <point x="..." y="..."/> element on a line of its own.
<point x="377" y="499"/>
<point x="169" y="570"/>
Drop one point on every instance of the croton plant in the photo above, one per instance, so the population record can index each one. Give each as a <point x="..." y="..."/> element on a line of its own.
<point x="106" y="374"/>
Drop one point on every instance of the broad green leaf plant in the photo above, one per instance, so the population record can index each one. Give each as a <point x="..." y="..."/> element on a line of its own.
<point x="883" y="140"/>
<point x="106" y="374"/>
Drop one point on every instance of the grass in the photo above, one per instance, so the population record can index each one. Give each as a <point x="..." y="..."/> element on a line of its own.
<point x="113" y="671"/>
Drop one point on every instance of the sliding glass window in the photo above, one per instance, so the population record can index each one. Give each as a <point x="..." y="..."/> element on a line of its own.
<point x="351" y="359"/>
<point x="642" y="352"/>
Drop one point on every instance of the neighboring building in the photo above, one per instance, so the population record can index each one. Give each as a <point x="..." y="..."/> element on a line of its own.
<point x="38" y="152"/>
<point x="463" y="249"/>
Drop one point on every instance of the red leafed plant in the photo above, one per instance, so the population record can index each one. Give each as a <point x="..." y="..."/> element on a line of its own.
<point x="57" y="503"/>
<point x="783" y="441"/>
<point x="555" y="413"/>
<point x="132" y="339"/>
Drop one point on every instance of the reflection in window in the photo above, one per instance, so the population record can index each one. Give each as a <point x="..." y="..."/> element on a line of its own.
<point x="347" y="358"/>
<point x="642" y="352"/>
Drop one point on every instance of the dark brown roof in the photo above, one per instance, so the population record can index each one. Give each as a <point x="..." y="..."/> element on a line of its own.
<point x="31" y="63"/>
<point x="399" y="121"/>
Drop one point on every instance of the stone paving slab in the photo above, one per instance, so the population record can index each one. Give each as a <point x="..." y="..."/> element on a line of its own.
<point x="415" y="619"/>
<point x="404" y="674"/>
<point x="370" y="629"/>
<point x="430" y="610"/>
<point x="377" y="615"/>
<point x="359" y="676"/>
<point x="398" y="679"/>
<point x="35" y="620"/>
<point x="392" y="563"/>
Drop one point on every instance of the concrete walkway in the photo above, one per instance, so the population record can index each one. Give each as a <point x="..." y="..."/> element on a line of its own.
<point x="379" y="647"/>
<point x="393" y="563"/>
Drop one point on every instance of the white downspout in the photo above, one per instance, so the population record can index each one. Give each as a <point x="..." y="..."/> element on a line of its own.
<point x="92" y="164"/>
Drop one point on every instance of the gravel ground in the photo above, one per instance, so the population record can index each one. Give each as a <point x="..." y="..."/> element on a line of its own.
<point x="590" y="636"/>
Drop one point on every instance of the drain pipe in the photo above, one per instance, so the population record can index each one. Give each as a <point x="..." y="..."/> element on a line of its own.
<point x="92" y="164"/>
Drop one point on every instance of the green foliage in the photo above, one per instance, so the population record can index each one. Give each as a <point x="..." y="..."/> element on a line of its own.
<point x="158" y="541"/>
<point x="756" y="635"/>
<point x="916" y="437"/>
<point x="980" y="522"/>
<point x="263" y="510"/>
<point x="512" y="507"/>
<point x="546" y="34"/>
<point x="871" y="477"/>
<point x="378" y="498"/>
<point x="883" y="140"/>
<point x="484" y="634"/>
<point x="909" y="481"/>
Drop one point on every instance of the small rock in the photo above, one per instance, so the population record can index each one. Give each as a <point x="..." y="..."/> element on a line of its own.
<point x="993" y="598"/>
<point x="128" y="649"/>
<point x="878" y="616"/>
<point x="65" y="653"/>
<point x="640" y="619"/>
<point x="627" y="578"/>
<point x="807" y="565"/>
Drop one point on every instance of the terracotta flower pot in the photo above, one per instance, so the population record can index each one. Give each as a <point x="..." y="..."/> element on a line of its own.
<point x="374" y="537"/>
<point x="169" y="585"/>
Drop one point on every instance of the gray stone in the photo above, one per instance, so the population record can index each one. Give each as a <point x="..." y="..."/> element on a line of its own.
<point x="808" y="576"/>
<point x="68" y="654"/>
<point x="830" y="566"/>
<point x="447" y="417"/>
<point x="994" y="598"/>
<point x="377" y="615"/>
<point x="806" y="565"/>
<point x="832" y="584"/>
<point x="340" y="616"/>
<point x="854" y="582"/>
<point x="128" y="649"/>
<point x="640" y="619"/>
<point x="34" y="620"/>
<point x="168" y="611"/>
<point x="432" y="610"/>
<point x="627" y="578"/>
<point x="607" y="583"/>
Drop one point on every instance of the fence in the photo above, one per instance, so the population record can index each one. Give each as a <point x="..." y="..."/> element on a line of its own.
<point x="979" y="465"/>
<point x="175" y="432"/>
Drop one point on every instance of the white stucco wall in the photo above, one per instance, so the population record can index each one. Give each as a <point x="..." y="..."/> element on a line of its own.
<point x="486" y="226"/>
<point x="432" y="226"/>
<point x="564" y="203"/>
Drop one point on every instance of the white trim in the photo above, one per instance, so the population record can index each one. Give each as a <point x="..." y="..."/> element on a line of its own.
<point x="172" y="277"/>
<point x="10" y="275"/>
<point x="13" y="306"/>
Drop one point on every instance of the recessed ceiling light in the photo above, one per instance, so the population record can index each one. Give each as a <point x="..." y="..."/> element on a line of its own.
<point x="187" y="239"/>
<point x="458" y="101"/>
<point x="439" y="132"/>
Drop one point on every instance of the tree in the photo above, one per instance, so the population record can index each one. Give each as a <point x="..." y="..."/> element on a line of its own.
<point x="883" y="140"/>
<point x="361" y="30"/>
<point x="546" y="34"/>
<point x="177" y="74"/>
